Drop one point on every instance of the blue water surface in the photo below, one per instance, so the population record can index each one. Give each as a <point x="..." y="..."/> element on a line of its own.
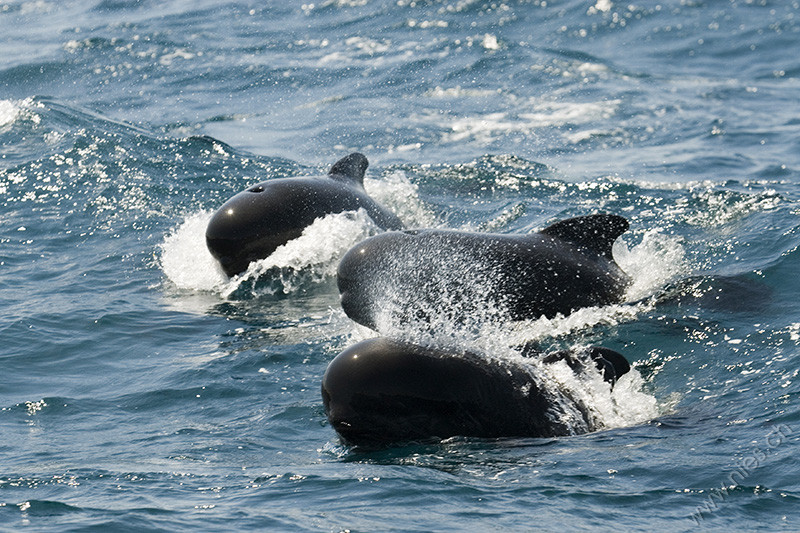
<point x="140" y="391"/>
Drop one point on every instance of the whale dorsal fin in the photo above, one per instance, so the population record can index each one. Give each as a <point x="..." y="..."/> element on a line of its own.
<point x="351" y="168"/>
<point x="595" y="232"/>
<point x="612" y="364"/>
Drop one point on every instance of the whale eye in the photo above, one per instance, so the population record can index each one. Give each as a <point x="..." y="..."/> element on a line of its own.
<point x="257" y="188"/>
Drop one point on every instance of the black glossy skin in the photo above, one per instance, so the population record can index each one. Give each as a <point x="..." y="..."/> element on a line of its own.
<point x="380" y="392"/>
<point x="566" y="266"/>
<point x="253" y="223"/>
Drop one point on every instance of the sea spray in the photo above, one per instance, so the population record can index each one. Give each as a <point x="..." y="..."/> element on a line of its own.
<point x="651" y="264"/>
<point x="580" y="401"/>
<point x="8" y="113"/>
<point x="398" y="193"/>
<point x="312" y="257"/>
<point x="185" y="259"/>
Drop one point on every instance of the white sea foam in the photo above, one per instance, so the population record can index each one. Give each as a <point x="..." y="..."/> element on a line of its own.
<point x="580" y="136"/>
<point x="602" y="6"/>
<point x="624" y="404"/>
<point x="9" y="112"/>
<point x="460" y="92"/>
<point x="487" y="127"/>
<point x="185" y="259"/>
<point x="313" y="256"/>
<point x="490" y="42"/>
<point x="396" y="192"/>
<point x="655" y="261"/>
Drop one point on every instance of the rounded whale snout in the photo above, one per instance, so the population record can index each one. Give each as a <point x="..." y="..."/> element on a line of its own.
<point x="355" y="307"/>
<point x="354" y="268"/>
<point x="380" y="392"/>
<point x="247" y="228"/>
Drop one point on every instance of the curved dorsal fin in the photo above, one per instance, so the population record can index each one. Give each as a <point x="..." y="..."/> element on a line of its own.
<point x="351" y="167"/>
<point x="595" y="232"/>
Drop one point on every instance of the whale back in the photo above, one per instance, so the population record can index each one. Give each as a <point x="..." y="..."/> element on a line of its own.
<point x="593" y="232"/>
<point x="426" y="277"/>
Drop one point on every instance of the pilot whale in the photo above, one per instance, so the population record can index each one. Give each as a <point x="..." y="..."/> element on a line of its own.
<point x="381" y="392"/>
<point x="254" y="222"/>
<point x="404" y="276"/>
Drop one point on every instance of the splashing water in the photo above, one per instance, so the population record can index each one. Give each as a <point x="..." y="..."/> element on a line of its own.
<point x="459" y="317"/>
<point x="8" y="112"/>
<point x="395" y="191"/>
<point x="582" y="402"/>
<point x="313" y="256"/>
<point x="624" y="404"/>
<point x="185" y="259"/>
<point x="656" y="260"/>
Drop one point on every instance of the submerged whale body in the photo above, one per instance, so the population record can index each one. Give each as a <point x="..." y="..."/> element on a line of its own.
<point x="380" y="392"/>
<point x="415" y="275"/>
<point x="253" y="223"/>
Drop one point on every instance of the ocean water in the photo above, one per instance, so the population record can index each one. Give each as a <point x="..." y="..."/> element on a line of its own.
<point x="141" y="390"/>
